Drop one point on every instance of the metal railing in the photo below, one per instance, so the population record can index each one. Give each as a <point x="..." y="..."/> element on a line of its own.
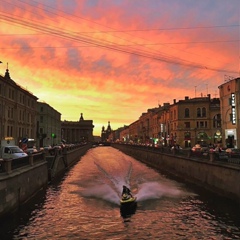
<point x="9" y="165"/>
<point x="205" y="155"/>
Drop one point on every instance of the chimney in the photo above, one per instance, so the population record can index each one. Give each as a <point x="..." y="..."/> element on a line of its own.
<point x="186" y="98"/>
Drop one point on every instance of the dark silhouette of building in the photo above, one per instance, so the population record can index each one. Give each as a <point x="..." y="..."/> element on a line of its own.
<point x="105" y="133"/>
<point x="77" y="132"/>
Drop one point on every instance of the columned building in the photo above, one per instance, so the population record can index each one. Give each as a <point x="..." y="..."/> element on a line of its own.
<point x="77" y="132"/>
<point x="230" y="104"/>
<point x="18" y="110"/>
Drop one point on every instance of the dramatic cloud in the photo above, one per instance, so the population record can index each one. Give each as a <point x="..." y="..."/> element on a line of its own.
<point x="112" y="59"/>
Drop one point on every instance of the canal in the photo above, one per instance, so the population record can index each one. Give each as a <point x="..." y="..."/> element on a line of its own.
<point x="85" y="205"/>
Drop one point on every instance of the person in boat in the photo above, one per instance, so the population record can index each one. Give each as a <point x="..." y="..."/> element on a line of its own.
<point x="126" y="190"/>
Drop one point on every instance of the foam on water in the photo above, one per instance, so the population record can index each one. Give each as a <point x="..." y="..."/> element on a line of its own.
<point x="108" y="185"/>
<point x="155" y="190"/>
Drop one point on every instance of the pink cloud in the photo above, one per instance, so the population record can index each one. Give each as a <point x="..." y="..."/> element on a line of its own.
<point x="119" y="72"/>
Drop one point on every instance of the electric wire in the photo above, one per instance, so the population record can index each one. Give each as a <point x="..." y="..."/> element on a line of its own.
<point x="68" y="35"/>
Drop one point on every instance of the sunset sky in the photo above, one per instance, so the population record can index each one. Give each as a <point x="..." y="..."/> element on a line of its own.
<point x="113" y="59"/>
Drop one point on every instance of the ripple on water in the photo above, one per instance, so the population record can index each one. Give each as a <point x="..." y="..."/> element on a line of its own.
<point x="85" y="205"/>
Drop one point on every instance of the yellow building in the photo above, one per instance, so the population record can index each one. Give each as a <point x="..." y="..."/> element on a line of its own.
<point x="194" y="121"/>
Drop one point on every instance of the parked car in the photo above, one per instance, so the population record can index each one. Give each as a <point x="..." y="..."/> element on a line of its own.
<point x="233" y="152"/>
<point x="197" y="148"/>
<point x="31" y="150"/>
<point x="48" y="147"/>
<point x="200" y="148"/>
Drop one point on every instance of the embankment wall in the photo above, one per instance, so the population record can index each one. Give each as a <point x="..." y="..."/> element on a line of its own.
<point x="19" y="185"/>
<point x="219" y="177"/>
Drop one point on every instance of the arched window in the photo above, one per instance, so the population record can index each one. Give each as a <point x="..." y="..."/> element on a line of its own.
<point x="198" y="112"/>
<point x="187" y="112"/>
<point x="204" y="112"/>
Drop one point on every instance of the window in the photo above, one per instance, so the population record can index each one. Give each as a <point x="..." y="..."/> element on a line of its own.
<point x="204" y="112"/>
<point x="202" y="124"/>
<point x="198" y="112"/>
<point x="6" y="150"/>
<point x="217" y="121"/>
<point x="201" y="112"/>
<point x="186" y="112"/>
<point x="187" y="135"/>
<point x="187" y="124"/>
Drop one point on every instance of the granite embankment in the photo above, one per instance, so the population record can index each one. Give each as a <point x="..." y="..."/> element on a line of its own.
<point x="213" y="172"/>
<point x="21" y="178"/>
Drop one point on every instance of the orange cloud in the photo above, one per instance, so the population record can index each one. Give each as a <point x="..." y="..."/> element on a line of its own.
<point x="112" y="60"/>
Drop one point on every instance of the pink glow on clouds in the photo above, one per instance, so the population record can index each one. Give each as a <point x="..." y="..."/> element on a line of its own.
<point x="64" y="65"/>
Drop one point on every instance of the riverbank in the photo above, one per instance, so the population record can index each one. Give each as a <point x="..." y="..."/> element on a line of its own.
<point x="217" y="176"/>
<point x="20" y="179"/>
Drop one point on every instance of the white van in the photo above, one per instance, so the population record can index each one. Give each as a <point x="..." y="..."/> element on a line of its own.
<point x="10" y="151"/>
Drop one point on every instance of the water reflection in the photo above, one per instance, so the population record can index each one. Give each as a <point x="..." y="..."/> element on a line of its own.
<point x="127" y="210"/>
<point x="86" y="205"/>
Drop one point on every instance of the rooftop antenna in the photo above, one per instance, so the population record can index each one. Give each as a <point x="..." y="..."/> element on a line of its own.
<point x="195" y="90"/>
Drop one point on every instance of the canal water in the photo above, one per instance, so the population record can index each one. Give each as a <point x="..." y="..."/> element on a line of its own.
<point x="85" y="205"/>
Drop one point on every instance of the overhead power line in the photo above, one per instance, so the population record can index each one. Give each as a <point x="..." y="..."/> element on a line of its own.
<point x="73" y="36"/>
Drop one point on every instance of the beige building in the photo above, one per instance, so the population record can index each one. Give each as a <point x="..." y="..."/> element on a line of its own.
<point x="230" y="104"/>
<point x="49" y="125"/>
<point x="18" y="110"/>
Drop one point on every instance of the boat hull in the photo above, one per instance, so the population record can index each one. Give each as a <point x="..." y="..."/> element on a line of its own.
<point x="128" y="207"/>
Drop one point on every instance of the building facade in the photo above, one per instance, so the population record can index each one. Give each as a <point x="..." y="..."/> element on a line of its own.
<point x="184" y="123"/>
<point x="194" y="121"/>
<point x="18" y="108"/>
<point x="106" y="133"/>
<point x="77" y="132"/>
<point x="229" y="93"/>
<point x="49" y="125"/>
